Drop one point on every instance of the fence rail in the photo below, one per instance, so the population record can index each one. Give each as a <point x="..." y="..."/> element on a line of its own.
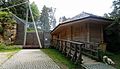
<point x="74" y="50"/>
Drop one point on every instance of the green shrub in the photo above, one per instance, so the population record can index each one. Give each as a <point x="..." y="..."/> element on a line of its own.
<point x="2" y="46"/>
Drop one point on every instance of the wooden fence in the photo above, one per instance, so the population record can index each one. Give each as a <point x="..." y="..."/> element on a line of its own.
<point x="74" y="50"/>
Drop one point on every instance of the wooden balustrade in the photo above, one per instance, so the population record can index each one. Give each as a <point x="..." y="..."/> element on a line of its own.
<point x="91" y="50"/>
<point x="74" y="50"/>
<point x="70" y="48"/>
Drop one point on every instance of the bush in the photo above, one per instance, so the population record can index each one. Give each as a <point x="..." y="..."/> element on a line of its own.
<point x="112" y="37"/>
<point x="4" y="47"/>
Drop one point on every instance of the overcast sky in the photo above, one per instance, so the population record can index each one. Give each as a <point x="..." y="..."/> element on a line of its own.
<point x="70" y="8"/>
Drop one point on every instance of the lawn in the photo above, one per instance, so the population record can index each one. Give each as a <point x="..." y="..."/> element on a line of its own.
<point x="115" y="57"/>
<point x="8" y="48"/>
<point x="7" y="51"/>
<point x="60" y="59"/>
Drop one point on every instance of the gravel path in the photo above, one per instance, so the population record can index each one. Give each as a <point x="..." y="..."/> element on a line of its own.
<point x="30" y="59"/>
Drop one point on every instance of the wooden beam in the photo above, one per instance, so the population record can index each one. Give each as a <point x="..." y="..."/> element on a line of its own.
<point x="71" y="28"/>
<point x="102" y="33"/>
<point x="88" y="32"/>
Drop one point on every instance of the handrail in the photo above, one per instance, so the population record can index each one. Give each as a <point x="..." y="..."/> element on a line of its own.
<point x="70" y="48"/>
<point x="89" y="49"/>
<point x="69" y="41"/>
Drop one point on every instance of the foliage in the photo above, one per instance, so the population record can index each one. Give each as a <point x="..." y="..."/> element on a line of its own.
<point x="20" y="10"/>
<point x="44" y="18"/>
<point x="115" y="14"/>
<point x="4" y="48"/>
<point x="60" y="58"/>
<point x="30" y="30"/>
<point x="52" y="19"/>
<point x="6" y="23"/>
<point x="113" y="30"/>
<point x="47" y="18"/>
<point x="35" y="11"/>
<point x="62" y="19"/>
<point x="113" y="35"/>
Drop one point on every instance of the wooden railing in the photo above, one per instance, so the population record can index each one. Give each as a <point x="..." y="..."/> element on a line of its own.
<point x="76" y="49"/>
<point x="91" y="50"/>
<point x="70" y="48"/>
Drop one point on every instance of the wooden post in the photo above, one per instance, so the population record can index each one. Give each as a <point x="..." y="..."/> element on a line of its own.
<point x="71" y="32"/>
<point x="74" y="57"/>
<point x="57" y="46"/>
<point x="88" y="33"/>
<point x="79" y="58"/>
<point x="102" y="33"/>
<point x="65" y="46"/>
<point x="63" y="49"/>
<point x="69" y="50"/>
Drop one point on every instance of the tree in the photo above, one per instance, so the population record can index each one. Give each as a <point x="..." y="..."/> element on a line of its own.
<point x="62" y="19"/>
<point x="35" y="11"/>
<point x="44" y="18"/>
<point x="113" y="30"/>
<point x="106" y="15"/>
<point x="47" y="18"/>
<point x="20" y="10"/>
<point x="52" y="19"/>
<point x="115" y="14"/>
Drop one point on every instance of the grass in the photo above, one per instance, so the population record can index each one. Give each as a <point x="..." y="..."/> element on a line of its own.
<point x="60" y="59"/>
<point x="8" y="48"/>
<point x="7" y="51"/>
<point x="115" y="57"/>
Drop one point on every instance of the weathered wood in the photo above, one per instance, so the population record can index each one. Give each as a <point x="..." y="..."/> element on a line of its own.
<point x="79" y="58"/>
<point x="74" y="53"/>
<point x="71" y="48"/>
<point x="75" y="49"/>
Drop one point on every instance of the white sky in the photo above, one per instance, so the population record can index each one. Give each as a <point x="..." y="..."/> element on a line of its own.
<point x="70" y="8"/>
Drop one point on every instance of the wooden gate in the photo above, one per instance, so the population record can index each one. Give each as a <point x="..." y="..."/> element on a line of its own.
<point x="32" y="41"/>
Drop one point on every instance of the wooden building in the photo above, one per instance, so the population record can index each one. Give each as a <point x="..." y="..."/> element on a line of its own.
<point x="84" y="27"/>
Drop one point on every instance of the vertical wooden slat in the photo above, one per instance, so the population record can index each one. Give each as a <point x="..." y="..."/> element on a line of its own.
<point x="101" y="32"/>
<point x="88" y="33"/>
<point x="71" y="31"/>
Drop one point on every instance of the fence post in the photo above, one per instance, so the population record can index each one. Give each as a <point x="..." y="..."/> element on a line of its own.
<point x="64" y="50"/>
<point x="74" y="57"/>
<point x="79" y="58"/>
<point x="69" y="50"/>
<point x="57" y="46"/>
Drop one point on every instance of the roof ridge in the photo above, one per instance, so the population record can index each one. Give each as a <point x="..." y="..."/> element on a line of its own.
<point x="83" y="15"/>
